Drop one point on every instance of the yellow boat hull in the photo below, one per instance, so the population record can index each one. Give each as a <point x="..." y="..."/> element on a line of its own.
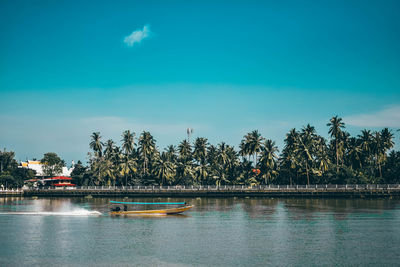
<point x="153" y="212"/>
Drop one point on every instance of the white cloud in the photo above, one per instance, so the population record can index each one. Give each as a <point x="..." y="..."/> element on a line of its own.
<point x="388" y="117"/>
<point x="137" y="36"/>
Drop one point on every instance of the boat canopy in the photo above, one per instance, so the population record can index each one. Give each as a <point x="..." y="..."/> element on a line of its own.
<point x="148" y="203"/>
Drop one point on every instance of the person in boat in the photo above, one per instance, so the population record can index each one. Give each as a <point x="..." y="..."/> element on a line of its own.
<point x="117" y="208"/>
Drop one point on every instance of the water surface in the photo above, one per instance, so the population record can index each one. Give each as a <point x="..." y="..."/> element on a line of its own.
<point x="216" y="232"/>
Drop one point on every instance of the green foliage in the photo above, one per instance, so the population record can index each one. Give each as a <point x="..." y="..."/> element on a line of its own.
<point x="10" y="174"/>
<point x="78" y="174"/>
<point x="52" y="164"/>
<point x="306" y="158"/>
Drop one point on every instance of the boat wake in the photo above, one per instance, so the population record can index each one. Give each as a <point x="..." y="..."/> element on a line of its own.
<point x="77" y="212"/>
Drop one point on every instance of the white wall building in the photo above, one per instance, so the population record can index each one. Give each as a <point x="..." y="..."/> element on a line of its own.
<point x="38" y="167"/>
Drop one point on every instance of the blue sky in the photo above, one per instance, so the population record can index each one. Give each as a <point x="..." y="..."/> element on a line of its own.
<point x="68" y="68"/>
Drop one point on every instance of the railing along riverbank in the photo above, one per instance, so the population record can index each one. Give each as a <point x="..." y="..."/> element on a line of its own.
<point x="327" y="190"/>
<point x="11" y="192"/>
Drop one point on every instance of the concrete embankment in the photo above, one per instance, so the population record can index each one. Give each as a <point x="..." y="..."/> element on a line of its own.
<point x="320" y="191"/>
<point x="11" y="193"/>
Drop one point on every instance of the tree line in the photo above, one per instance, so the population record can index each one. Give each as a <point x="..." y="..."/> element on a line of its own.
<point x="306" y="158"/>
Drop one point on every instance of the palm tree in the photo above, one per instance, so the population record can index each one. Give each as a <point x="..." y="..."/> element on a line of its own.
<point x="185" y="151"/>
<point x="128" y="142"/>
<point x="305" y="147"/>
<point x="244" y="148"/>
<point x="200" y="150"/>
<point x="378" y="150"/>
<point x="212" y="155"/>
<point x="387" y="139"/>
<point x="365" y="140"/>
<point x="253" y="142"/>
<point x="96" y="144"/>
<point x="147" y="147"/>
<point x="107" y="169"/>
<point x="170" y="153"/>
<point x="335" y="130"/>
<point x="268" y="159"/>
<point x="110" y="149"/>
<point x="95" y="167"/>
<point x="222" y="156"/>
<point x="184" y="172"/>
<point x="354" y="153"/>
<point x="289" y="158"/>
<point x="201" y="172"/>
<point x="127" y="166"/>
<point x="164" y="169"/>
<point x="343" y="145"/>
<point x="321" y="155"/>
<point x="222" y="159"/>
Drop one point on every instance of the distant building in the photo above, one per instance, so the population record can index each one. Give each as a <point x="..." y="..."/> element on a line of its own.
<point x="38" y="167"/>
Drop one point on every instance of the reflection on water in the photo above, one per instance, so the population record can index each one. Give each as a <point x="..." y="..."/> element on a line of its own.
<point x="217" y="231"/>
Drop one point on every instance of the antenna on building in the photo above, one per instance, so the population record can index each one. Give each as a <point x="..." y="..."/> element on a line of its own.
<point x="189" y="132"/>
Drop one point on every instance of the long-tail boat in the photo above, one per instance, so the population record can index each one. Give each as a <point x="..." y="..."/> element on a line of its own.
<point x="124" y="210"/>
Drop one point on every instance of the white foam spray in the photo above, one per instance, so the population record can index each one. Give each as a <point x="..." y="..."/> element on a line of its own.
<point x="55" y="208"/>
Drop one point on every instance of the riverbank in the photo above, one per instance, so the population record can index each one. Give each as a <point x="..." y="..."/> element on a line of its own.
<point x="297" y="191"/>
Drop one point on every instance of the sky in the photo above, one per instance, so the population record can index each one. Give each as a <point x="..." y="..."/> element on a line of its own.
<point x="223" y="68"/>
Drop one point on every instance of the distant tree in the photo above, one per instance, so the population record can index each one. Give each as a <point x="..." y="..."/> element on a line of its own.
<point x="336" y="125"/>
<point x="22" y="174"/>
<point x="6" y="160"/>
<point x="78" y="173"/>
<point x="164" y="169"/>
<point x="185" y="151"/>
<point x="128" y="142"/>
<point x="251" y="145"/>
<point x="200" y="150"/>
<point x="109" y="151"/>
<point x="96" y="144"/>
<point x="52" y="164"/>
<point x="268" y="160"/>
<point x="126" y="167"/>
<point x="147" y="147"/>
<point x="305" y="149"/>
<point x="170" y="152"/>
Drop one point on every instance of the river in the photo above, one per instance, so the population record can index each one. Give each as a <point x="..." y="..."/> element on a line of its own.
<point x="216" y="232"/>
